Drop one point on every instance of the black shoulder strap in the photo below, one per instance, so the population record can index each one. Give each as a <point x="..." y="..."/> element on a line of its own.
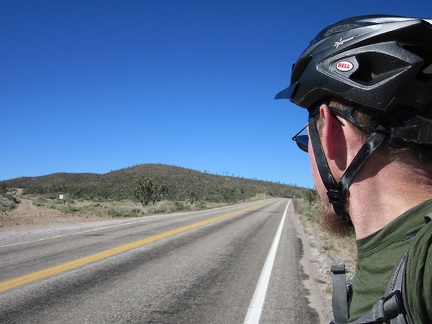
<point x="339" y="295"/>
<point x="391" y="307"/>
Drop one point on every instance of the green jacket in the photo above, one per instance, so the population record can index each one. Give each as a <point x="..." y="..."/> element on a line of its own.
<point x="380" y="252"/>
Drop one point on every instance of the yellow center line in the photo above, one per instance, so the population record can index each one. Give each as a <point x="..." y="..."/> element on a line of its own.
<point x="6" y="285"/>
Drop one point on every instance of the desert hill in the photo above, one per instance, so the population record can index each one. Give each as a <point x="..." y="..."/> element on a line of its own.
<point x="182" y="185"/>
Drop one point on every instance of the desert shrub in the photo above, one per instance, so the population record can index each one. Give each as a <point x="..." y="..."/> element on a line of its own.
<point x="181" y="206"/>
<point x="113" y="212"/>
<point x="136" y="212"/>
<point x="68" y="209"/>
<point x="7" y="203"/>
<point x="40" y="201"/>
<point x="201" y="205"/>
<point x="308" y="210"/>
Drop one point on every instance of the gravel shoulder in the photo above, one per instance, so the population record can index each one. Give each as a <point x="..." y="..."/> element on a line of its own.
<point x="321" y="251"/>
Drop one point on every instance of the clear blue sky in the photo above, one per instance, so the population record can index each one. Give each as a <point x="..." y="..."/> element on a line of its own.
<point x="100" y="85"/>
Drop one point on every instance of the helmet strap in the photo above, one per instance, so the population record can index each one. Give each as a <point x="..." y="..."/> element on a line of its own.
<point x="337" y="191"/>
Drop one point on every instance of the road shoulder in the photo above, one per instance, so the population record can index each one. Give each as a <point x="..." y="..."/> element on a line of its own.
<point x="318" y="256"/>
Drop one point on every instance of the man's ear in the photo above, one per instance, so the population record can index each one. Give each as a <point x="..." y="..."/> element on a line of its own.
<point x="333" y="138"/>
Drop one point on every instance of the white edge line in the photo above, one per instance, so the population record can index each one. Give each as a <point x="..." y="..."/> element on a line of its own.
<point x="255" y="308"/>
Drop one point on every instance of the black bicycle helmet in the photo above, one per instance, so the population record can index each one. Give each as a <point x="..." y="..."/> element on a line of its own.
<point x="374" y="62"/>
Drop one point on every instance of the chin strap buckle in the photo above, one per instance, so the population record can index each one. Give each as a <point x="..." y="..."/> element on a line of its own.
<point x="336" y="196"/>
<point x="337" y="199"/>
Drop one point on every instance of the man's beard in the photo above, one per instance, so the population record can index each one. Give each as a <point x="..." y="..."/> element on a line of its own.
<point x="331" y="222"/>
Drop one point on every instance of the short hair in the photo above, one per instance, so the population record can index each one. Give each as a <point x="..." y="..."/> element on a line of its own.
<point x="421" y="153"/>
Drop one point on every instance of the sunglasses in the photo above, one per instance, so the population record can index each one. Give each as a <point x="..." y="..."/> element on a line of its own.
<point x="302" y="141"/>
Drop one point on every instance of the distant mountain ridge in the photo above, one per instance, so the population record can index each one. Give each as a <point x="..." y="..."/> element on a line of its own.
<point x="183" y="184"/>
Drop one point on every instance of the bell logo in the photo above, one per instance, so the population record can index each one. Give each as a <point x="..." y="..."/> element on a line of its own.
<point x="344" y="66"/>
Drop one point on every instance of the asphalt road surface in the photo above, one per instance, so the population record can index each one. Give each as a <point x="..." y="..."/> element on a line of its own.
<point x="237" y="264"/>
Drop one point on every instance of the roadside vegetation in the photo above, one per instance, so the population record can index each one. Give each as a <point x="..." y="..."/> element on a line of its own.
<point x="7" y="199"/>
<point x="306" y="209"/>
<point x="119" y="209"/>
<point x="139" y="190"/>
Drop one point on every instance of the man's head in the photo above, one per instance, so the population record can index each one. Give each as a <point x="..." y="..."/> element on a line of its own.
<point x="375" y="73"/>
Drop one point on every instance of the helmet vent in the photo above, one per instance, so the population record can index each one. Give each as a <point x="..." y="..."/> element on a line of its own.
<point x="340" y="29"/>
<point x="425" y="53"/>
<point x="374" y="67"/>
<point x="299" y="68"/>
<point x="428" y="70"/>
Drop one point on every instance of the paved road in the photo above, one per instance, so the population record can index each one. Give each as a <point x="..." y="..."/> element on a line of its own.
<point x="236" y="264"/>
